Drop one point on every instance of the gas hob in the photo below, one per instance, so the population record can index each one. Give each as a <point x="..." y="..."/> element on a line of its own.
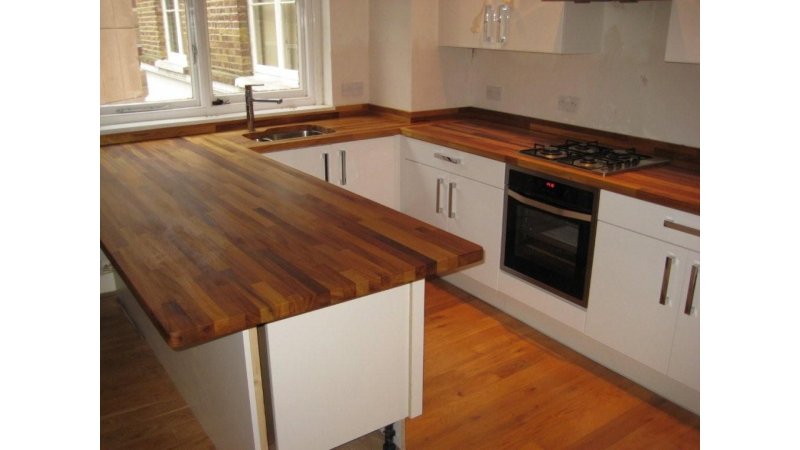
<point x="594" y="157"/>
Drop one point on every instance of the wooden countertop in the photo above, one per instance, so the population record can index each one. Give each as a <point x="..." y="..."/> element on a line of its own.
<point x="665" y="185"/>
<point x="213" y="238"/>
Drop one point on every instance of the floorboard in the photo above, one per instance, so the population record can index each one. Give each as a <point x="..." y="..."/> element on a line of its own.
<point x="490" y="382"/>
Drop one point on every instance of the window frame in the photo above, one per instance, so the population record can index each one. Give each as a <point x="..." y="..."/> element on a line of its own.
<point x="200" y="107"/>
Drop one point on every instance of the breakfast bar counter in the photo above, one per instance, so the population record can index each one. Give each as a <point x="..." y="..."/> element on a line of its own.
<point x="213" y="238"/>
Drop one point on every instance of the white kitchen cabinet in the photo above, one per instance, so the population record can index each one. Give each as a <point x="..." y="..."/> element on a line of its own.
<point x="369" y="167"/>
<point x="683" y="35"/>
<point x="641" y="285"/>
<point x="522" y="25"/>
<point x="310" y="160"/>
<point x="460" y="204"/>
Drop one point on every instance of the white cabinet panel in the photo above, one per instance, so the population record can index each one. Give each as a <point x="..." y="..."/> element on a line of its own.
<point x="643" y="275"/>
<point x="478" y="217"/>
<point x="529" y="26"/>
<point x="648" y="218"/>
<point x="684" y="362"/>
<point x="346" y="370"/>
<point x="485" y="170"/>
<point x="465" y="207"/>
<point x="368" y="168"/>
<point x="310" y="160"/>
<point x="424" y="191"/>
<point x="624" y="311"/>
<point x="683" y="35"/>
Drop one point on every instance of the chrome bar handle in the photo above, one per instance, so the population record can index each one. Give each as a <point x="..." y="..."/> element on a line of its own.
<point x="488" y="17"/>
<point x="665" y="281"/>
<point x="692" y="285"/>
<point x="327" y="167"/>
<point x="446" y="158"/>
<point x="503" y="16"/>
<point x="671" y="224"/>
<point x="343" y="156"/>
<point x="439" y="183"/>
<point x="451" y="213"/>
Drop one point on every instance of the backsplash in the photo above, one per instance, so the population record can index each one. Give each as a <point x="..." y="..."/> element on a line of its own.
<point x="628" y="88"/>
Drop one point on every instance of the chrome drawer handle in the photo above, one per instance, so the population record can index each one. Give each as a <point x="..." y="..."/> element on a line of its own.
<point x="671" y="224"/>
<point x="439" y="183"/>
<point x="662" y="299"/>
<point x="692" y="285"/>
<point x="446" y="158"/>
<point x="343" y="155"/>
<point x="451" y="213"/>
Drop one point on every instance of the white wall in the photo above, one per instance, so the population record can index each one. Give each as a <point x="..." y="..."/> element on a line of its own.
<point x="627" y="88"/>
<point x="349" y="51"/>
<point x="440" y="76"/>
<point x="390" y="53"/>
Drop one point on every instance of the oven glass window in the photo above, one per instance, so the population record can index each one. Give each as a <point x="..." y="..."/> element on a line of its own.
<point x="550" y="249"/>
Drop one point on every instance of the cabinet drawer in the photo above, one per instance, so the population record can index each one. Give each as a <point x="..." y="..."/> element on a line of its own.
<point x="660" y="222"/>
<point x="456" y="162"/>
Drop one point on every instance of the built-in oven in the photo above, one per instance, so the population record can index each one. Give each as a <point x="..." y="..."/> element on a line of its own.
<point x="549" y="233"/>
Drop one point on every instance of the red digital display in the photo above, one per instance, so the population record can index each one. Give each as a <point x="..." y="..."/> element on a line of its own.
<point x="550" y="185"/>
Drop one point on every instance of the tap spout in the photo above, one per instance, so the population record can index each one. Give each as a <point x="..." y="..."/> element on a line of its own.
<point x="248" y="104"/>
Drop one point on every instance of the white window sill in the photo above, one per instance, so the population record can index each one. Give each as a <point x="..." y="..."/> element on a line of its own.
<point x="166" y="123"/>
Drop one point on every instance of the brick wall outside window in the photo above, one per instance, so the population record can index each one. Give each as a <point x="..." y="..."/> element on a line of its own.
<point x="228" y="35"/>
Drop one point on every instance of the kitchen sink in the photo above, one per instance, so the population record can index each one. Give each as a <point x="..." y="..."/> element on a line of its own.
<point x="288" y="132"/>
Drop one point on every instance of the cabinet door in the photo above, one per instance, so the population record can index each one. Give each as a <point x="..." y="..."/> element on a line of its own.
<point x="368" y="168"/>
<point x="555" y="27"/>
<point x="624" y="310"/>
<point x="684" y="362"/>
<point x="477" y="211"/>
<point x="424" y="190"/>
<point x="683" y="35"/>
<point x="310" y="160"/>
<point x="461" y="23"/>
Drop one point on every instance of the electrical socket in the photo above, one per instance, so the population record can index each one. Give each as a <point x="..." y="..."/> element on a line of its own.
<point x="568" y="103"/>
<point x="352" y="89"/>
<point x="494" y="93"/>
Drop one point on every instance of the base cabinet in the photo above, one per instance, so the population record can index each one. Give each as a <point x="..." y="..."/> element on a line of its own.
<point x="644" y="300"/>
<point x="368" y="167"/>
<point x="461" y="205"/>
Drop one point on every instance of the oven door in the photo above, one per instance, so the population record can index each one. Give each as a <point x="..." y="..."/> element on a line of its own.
<point x="548" y="246"/>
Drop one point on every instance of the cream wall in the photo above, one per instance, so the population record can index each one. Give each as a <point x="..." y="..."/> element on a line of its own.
<point x="626" y="88"/>
<point x="349" y="51"/>
<point x="390" y="53"/>
<point x="440" y="76"/>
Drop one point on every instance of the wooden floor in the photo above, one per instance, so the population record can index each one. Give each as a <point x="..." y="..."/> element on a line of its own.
<point x="490" y="382"/>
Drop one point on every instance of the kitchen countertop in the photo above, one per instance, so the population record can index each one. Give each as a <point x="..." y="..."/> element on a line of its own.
<point x="665" y="185"/>
<point x="213" y="238"/>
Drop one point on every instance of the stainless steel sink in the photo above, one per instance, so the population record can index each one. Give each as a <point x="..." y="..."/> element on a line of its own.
<point x="288" y="132"/>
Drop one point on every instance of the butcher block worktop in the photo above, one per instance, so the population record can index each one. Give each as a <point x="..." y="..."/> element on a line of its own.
<point x="666" y="185"/>
<point x="213" y="238"/>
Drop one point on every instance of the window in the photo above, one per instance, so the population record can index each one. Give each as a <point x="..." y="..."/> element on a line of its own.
<point x="192" y="58"/>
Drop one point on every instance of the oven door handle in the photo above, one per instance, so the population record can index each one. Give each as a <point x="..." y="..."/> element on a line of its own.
<point x="583" y="217"/>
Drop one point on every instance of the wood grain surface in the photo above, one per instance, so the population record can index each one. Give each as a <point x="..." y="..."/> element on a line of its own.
<point x="666" y="185"/>
<point x="213" y="238"/>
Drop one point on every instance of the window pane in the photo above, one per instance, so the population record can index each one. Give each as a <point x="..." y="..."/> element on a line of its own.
<point x="266" y="40"/>
<point x="141" y="56"/>
<point x="255" y="42"/>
